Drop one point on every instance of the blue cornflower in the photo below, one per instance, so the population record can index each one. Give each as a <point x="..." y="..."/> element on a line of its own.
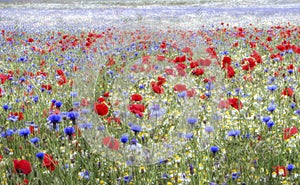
<point x="234" y="133"/>
<point x="86" y="125"/>
<point x="192" y="121"/>
<point x="290" y="167"/>
<point x="5" y="107"/>
<point x="40" y="155"/>
<point x="209" y="86"/>
<point x="72" y="115"/>
<point x="235" y="175"/>
<point x="134" y="141"/>
<point x="127" y="179"/>
<point x="124" y="138"/>
<point x="156" y="111"/>
<point x="266" y="119"/>
<point x="271" y="107"/>
<point x="35" y="99"/>
<point x="69" y="131"/>
<point x="24" y="132"/>
<point x="293" y="105"/>
<point x="209" y="129"/>
<point x="136" y="128"/>
<point x="270" y="124"/>
<point x="85" y="174"/>
<point x="58" y="104"/>
<point x="189" y="135"/>
<point x="7" y="133"/>
<point x="34" y="140"/>
<point x="290" y="71"/>
<point x="297" y="112"/>
<point x="73" y="94"/>
<point x="13" y="118"/>
<point x="54" y="118"/>
<point x="214" y="149"/>
<point x="182" y="94"/>
<point x="272" y="88"/>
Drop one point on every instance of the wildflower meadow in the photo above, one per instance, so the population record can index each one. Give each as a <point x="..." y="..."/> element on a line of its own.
<point x="149" y="93"/>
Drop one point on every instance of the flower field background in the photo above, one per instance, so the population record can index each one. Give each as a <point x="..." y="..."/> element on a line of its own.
<point x="142" y="92"/>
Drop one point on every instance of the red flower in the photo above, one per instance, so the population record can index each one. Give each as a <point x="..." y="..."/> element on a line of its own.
<point x="230" y="72"/>
<point x="62" y="80"/>
<point x="3" y="78"/>
<point x="288" y="92"/>
<point x="280" y="170"/>
<point x="101" y="109"/>
<point x="204" y="62"/>
<point x="1" y="157"/>
<point x="157" y="88"/>
<point x="136" y="97"/>
<point x="180" y="87"/>
<point x="22" y="166"/>
<point x="223" y="104"/>
<point x="235" y="103"/>
<point x="180" y="59"/>
<point x="198" y="71"/>
<point x="111" y="143"/>
<point x="194" y="64"/>
<point x="226" y="62"/>
<point x="137" y="109"/>
<point x="289" y="132"/>
<point x="49" y="162"/>
<point x="161" y="80"/>
<point x="191" y="93"/>
<point x="47" y="87"/>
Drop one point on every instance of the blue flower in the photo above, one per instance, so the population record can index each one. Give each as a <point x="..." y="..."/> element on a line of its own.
<point x="124" y="138"/>
<point x="156" y="111"/>
<point x="40" y="155"/>
<point x="271" y="107"/>
<point x="134" y="141"/>
<point x="72" y="115"/>
<point x="182" y="94"/>
<point x="35" y="99"/>
<point x="214" y="149"/>
<point x="54" y="118"/>
<point x="293" y="105"/>
<point x="86" y="125"/>
<point x="234" y="133"/>
<point x="5" y="107"/>
<point x="189" y="135"/>
<point x="58" y="104"/>
<point x="209" y="86"/>
<point x="270" y="124"/>
<point x="136" y="128"/>
<point x="209" y="129"/>
<point x="69" y="131"/>
<point x="290" y="167"/>
<point x="34" y="140"/>
<point x="272" y="88"/>
<point x="266" y="119"/>
<point x="235" y="175"/>
<point x="13" y="118"/>
<point x="7" y="133"/>
<point x="192" y="121"/>
<point x="297" y="112"/>
<point x="24" y="132"/>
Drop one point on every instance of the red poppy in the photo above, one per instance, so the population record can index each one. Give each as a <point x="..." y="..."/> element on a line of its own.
<point x="169" y="71"/>
<point x="204" y="62"/>
<point x="30" y="40"/>
<point x="191" y="93"/>
<point x="101" y="109"/>
<point x="280" y="170"/>
<point x="60" y="72"/>
<point x="160" y="58"/>
<point x="136" y="97"/>
<point x="288" y="92"/>
<point x="289" y="132"/>
<point x="111" y="143"/>
<point x="230" y="72"/>
<point x="3" y="78"/>
<point x="198" y="72"/>
<point x="223" y="104"/>
<point x="180" y="88"/>
<point x="157" y="88"/>
<point x="194" y="64"/>
<point x="47" y="87"/>
<point x="1" y="157"/>
<point x="161" y="80"/>
<point x="106" y="94"/>
<point x="235" y="103"/>
<point x="22" y="166"/>
<point x="256" y="56"/>
<point x="211" y="51"/>
<point x="226" y="62"/>
<point x="62" y="80"/>
<point x="186" y="50"/>
<point x="180" y="59"/>
<point x="137" y="109"/>
<point x="49" y="162"/>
